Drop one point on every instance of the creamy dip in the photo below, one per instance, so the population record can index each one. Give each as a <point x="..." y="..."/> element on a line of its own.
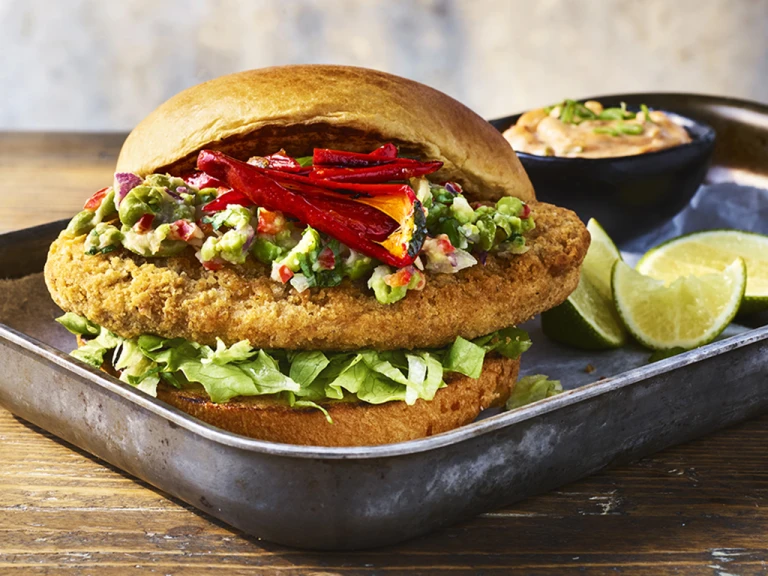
<point x="588" y="130"/>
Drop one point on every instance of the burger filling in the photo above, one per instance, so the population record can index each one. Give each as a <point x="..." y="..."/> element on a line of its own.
<point x="299" y="378"/>
<point x="314" y="221"/>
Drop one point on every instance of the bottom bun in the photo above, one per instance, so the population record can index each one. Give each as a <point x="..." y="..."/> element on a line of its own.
<point x="354" y="423"/>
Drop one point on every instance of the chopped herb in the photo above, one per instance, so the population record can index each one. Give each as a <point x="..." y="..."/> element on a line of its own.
<point x="606" y="130"/>
<point x="304" y="161"/>
<point x="619" y="129"/>
<point x="646" y="113"/>
<point x="585" y="112"/>
<point x="616" y="113"/>
<point x="630" y="129"/>
<point x="568" y="111"/>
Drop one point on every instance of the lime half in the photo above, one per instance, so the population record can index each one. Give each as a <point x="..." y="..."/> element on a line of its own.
<point x="689" y="312"/>
<point x="710" y="252"/>
<point x="588" y="318"/>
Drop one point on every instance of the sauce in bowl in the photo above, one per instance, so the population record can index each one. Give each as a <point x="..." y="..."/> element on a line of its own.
<point x="575" y="130"/>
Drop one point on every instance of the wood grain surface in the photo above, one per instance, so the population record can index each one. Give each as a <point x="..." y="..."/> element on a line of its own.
<point x="697" y="509"/>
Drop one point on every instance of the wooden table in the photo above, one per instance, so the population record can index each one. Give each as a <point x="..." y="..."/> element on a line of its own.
<point x="697" y="509"/>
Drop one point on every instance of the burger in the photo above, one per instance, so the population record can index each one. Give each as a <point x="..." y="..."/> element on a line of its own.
<point x="318" y="255"/>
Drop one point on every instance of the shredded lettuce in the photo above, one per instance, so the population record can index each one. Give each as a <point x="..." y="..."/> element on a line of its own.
<point x="94" y="350"/>
<point x="302" y="379"/>
<point x="78" y="325"/>
<point x="465" y="357"/>
<point x="531" y="389"/>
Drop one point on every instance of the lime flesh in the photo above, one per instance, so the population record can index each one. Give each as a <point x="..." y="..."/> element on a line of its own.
<point x="689" y="312"/>
<point x="710" y="252"/>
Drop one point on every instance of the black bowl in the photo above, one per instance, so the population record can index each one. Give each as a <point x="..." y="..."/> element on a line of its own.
<point x="628" y="195"/>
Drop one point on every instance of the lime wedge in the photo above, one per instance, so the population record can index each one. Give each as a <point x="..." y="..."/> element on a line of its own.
<point x="689" y="312"/>
<point x="601" y="256"/>
<point x="588" y="318"/>
<point x="710" y="252"/>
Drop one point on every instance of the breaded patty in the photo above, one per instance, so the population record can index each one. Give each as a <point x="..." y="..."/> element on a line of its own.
<point x="355" y="423"/>
<point x="177" y="297"/>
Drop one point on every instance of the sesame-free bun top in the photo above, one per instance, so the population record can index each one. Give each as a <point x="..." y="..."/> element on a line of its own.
<point x="299" y="108"/>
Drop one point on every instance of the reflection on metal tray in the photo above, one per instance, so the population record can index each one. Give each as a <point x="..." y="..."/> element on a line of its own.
<point x="334" y="498"/>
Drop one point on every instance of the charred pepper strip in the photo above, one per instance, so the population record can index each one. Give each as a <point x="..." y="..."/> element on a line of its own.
<point x="281" y="161"/>
<point x="398" y="170"/>
<point x="202" y="180"/>
<point x="344" y="190"/>
<point x="373" y="195"/>
<point x="363" y="218"/>
<point x="329" y="215"/>
<point x="325" y="157"/>
<point x="231" y="197"/>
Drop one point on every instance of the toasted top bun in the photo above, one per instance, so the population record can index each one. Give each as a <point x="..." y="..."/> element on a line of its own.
<point x="299" y="108"/>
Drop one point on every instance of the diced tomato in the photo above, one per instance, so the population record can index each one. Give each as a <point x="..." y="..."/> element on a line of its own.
<point x="400" y="278"/>
<point x="94" y="202"/>
<point x="144" y="223"/>
<point x="326" y="259"/>
<point x="205" y="227"/>
<point x="526" y="211"/>
<point x="281" y="273"/>
<point x="213" y="265"/>
<point x="270" y="222"/>
<point x="422" y="280"/>
<point x="185" y="230"/>
<point x="444" y="243"/>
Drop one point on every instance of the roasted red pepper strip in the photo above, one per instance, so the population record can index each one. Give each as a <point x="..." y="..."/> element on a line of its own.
<point x="281" y="161"/>
<point x="376" y="174"/>
<point x="95" y="201"/>
<point x="326" y="157"/>
<point x="364" y="220"/>
<point x="329" y="215"/>
<point x="343" y="190"/>
<point x="364" y="214"/>
<point x="389" y="150"/>
<point x="231" y="197"/>
<point x="202" y="180"/>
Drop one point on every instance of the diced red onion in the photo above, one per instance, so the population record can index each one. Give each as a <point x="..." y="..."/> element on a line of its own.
<point x="249" y="239"/>
<point x="124" y="183"/>
<point x="453" y="187"/>
<point x="173" y="194"/>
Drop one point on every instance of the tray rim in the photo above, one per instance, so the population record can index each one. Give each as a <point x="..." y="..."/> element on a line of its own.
<point x="488" y="425"/>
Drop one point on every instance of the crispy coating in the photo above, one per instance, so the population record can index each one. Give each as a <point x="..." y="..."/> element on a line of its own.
<point x="176" y="297"/>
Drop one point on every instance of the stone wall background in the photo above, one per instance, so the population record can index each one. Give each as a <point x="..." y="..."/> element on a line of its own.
<point x="103" y="65"/>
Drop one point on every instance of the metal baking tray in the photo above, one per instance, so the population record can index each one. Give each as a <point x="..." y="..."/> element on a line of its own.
<point x="358" y="497"/>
